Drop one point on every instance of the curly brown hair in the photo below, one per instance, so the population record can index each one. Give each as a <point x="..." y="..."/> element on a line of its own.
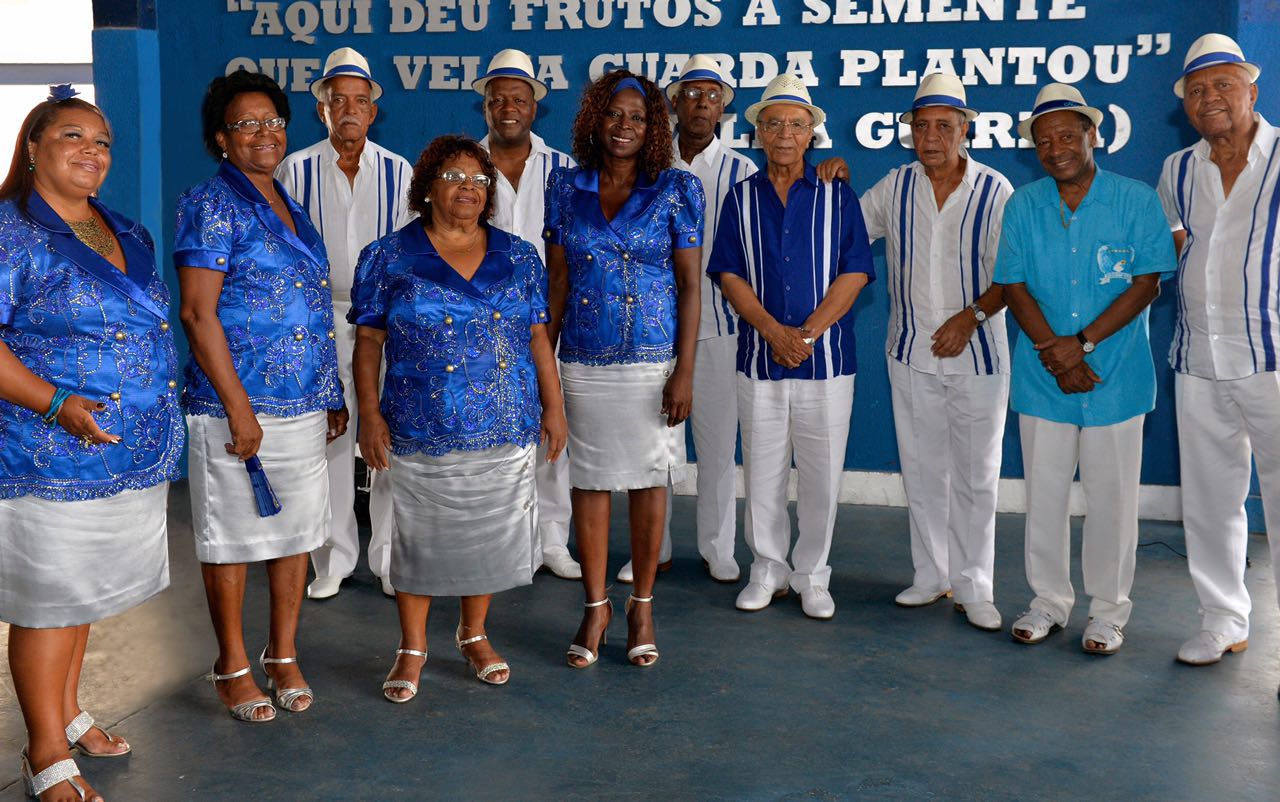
<point x="656" y="155"/>
<point x="433" y="158"/>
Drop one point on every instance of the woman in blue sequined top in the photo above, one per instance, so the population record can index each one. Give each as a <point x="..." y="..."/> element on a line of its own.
<point x="90" y="429"/>
<point x="624" y="237"/>
<point x="459" y="309"/>
<point x="262" y="382"/>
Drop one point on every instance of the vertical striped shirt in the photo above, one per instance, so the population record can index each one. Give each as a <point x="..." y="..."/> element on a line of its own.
<point x="790" y="255"/>
<point x="718" y="168"/>
<point x="348" y="215"/>
<point x="938" y="262"/>
<point x="1229" y="270"/>
<point x="520" y="210"/>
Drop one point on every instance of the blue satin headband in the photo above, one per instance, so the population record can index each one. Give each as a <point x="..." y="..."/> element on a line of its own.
<point x="629" y="83"/>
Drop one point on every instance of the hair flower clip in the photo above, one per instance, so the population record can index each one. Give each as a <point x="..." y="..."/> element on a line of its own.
<point x="61" y="92"/>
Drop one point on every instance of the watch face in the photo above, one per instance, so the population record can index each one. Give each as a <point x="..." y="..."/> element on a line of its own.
<point x="1088" y="347"/>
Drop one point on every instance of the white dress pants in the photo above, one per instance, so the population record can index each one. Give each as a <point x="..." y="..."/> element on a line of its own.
<point x="1219" y="424"/>
<point x="715" y="432"/>
<point x="337" y="557"/>
<point x="804" y="420"/>
<point x="949" y="433"/>
<point x="1110" y="461"/>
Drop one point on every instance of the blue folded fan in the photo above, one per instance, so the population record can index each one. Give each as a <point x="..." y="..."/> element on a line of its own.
<point x="263" y="495"/>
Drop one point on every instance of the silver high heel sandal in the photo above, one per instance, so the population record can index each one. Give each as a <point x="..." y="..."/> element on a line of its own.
<point x="62" y="771"/>
<point x="393" y="684"/>
<point x="245" y="710"/>
<point x="285" y="697"/>
<point x="80" y="725"/>
<point x="581" y="651"/>
<point x="482" y="674"/>
<point x="633" y="655"/>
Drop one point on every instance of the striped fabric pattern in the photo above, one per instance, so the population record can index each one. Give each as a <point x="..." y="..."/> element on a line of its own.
<point x="520" y="211"/>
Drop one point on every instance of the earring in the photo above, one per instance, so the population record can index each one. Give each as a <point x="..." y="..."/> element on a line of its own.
<point x="31" y="166"/>
<point x="224" y="154"/>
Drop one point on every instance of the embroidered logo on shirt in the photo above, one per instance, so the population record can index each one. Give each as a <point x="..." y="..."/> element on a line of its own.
<point x="1115" y="263"/>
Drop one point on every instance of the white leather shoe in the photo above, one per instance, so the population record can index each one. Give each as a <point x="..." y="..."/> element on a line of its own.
<point x="387" y="590"/>
<point x="1033" y="626"/>
<point x="817" y="603"/>
<point x="725" y="571"/>
<point x="560" y="563"/>
<point x="626" y="575"/>
<point x="982" y="615"/>
<point x="756" y="596"/>
<point x="324" y="587"/>
<point x="1207" y="648"/>
<point x="916" y="596"/>
<point x="1102" y="637"/>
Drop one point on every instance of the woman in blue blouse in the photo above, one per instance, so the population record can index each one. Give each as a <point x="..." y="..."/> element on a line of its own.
<point x="624" y="237"/>
<point x="90" y="429"/>
<point x="262" y="382"/>
<point x="459" y="308"/>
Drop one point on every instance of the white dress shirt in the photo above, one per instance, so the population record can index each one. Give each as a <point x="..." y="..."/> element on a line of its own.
<point x="520" y="211"/>
<point x="1229" y="270"/>
<point x="939" y="261"/>
<point x="718" y="168"/>
<point x="348" y="215"/>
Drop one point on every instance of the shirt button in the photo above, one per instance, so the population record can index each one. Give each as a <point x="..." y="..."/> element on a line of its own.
<point x="448" y="368"/>
<point x="448" y="320"/>
<point x="1075" y="314"/>
<point x="1073" y="250"/>
<point x="164" y="327"/>
<point x="332" y="335"/>
<point x="585" y="302"/>
<point x="497" y="316"/>
<point x="786" y="231"/>
<point x="1215" y="336"/>
<point x="220" y="260"/>
<point x="502" y="363"/>
<point x="297" y="284"/>
<point x="299" y="336"/>
<point x="786" y="258"/>
<point x="119" y="336"/>
<point x="173" y="385"/>
<point x="630" y="299"/>
<point x="588" y="257"/>
<point x="542" y="315"/>
<point x="626" y="257"/>
<point x="1074" y="282"/>
<point x="324" y="282"/>
<point x="115" y="396"/>
<point x="693" y="239"/>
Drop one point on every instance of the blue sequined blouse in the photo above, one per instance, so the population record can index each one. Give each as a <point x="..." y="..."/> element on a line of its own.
<point x="275" y="307"/>
<point x="621" y="306"/>
<point x="74" y="320"/>
<point x="460" y="375"/>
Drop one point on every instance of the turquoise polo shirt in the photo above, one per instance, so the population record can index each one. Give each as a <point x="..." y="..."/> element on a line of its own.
<point x="1074" y="272"/>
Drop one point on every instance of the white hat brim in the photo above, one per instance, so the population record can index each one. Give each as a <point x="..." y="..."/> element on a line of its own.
<point x="1253" y="69"/>
<point x="969" y="114"/>
<point x="538" y="87"/>
<point x="1024" y="127"/>
<point x="753" y="111"/>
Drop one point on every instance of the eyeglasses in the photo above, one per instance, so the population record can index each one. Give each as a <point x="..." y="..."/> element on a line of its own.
<point x="458" y="177"/>
<point x="252" y="126"/>
<point x="788" y="127"/>
<point x="712" y="95"/>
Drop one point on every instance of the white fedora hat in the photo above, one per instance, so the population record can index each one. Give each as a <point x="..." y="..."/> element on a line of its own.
<point x="940" y="89"/>
<point x="345" y="61"/>
<point x="701" y="68"/>
<point x="785" y="89"/>
<point x="511" y="63"/>
<point x="1058" y="97"/>
<point x="1211" y="50"/>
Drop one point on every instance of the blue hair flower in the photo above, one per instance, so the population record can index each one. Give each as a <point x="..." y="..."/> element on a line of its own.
<point x="61" y="92"/>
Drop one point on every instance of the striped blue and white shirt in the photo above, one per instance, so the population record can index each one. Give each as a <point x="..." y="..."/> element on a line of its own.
<point x="790" y="255"/>
<point x="938" y="262"/>
<point x="1229" y="270"/>
<point x="718" y="168"/>
<point x="521" y="210"/>
<point x="348" y="215"/>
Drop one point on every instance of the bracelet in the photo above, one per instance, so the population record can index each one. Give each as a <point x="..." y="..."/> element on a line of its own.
<point x="60" y="397"/>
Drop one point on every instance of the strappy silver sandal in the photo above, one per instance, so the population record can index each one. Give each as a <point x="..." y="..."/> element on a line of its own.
<point x="582" y="651"/>
<point x="62" y="771"/>
<point x="245" y="710"/>
<point x="285" y="697"/>
<point x="482" y="674"/>
<point x="393" y="684"/>
<point x="634" y="655"/>
<point x="80" y="725"/>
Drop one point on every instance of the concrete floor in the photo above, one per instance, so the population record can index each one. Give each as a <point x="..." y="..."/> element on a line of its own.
<point x="881" y="702"/>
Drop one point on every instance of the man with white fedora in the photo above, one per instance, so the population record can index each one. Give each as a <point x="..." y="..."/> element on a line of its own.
<point x="524" y="161"/>
<point x="1082" y="253"/>
<point x="1219" y="196"/>
<point x="355" y="192"/>
<point x="791" y="255"/>
<point x="948" y="353"/>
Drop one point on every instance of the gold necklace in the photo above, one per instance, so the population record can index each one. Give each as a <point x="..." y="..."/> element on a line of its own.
<point x="1062" y="212"/>
<point x="91" y="233"/>
<point x="474" y="239"/>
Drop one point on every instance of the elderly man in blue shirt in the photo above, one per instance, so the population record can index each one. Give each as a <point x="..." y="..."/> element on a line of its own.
<point x="791" y="255"/>
<point x="1081" y="256"/>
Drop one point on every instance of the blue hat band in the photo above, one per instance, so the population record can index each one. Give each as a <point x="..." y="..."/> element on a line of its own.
<point x="629" y="83"/>
<point x="509" y="72"/>
<point x="702" y="75"/>
<point x="1210" y="59"/>
<point x="789" y="98"/>
<point x="349" y="69"/>
<point x="1054" y="105"/>
<point x="938" y="100"/>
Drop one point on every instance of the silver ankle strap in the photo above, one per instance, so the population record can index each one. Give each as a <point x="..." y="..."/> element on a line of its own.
<point x="600" y="603"/>
<point x="413" y="652"/>
<point x="78" y="727"/>
<point x="216" y="677"/>
<point x="275" y="660"/>
<point x="639" y="600"/>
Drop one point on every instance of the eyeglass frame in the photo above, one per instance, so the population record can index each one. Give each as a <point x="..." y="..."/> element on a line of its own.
<point x="252" y="127"/>
<point x="792" y="128"/>
<point x="464" y="178"/>
<point x="695" y="94"/>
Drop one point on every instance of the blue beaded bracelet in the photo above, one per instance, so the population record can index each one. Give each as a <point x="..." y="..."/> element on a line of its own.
<point x="60" y="397"/>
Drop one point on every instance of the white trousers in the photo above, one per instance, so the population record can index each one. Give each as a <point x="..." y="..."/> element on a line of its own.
<point x="337" y="557"/>
<point x="1110" y="461"/>
<point x="949" y="433"/>
<point x="715" y="432"/>
<point x="804" y="420"/>
<point x="1219" y="424"/>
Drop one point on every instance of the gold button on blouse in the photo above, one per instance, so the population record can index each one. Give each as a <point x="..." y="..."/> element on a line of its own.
<point x="630" y="299"/>
<point x="222" y="260"/>
<point x="588" y="257"/>
<point x="115" y="396"/>
<point x="502" y="364"/>
<point x="298" y="337"/>
<point x="298" y="284"/>
<point x="164" y="327"/>
<point x="542" y="315"/>
<point x="324" y="282"/>
<point x="693" y="238"/>
<point x="626" y="257"/>
<point x="448" y="320"/>
<point x="172" y="384"/>
<point x="119" y="335"/>
<point x="585" y="302"/>
<point x="448" y="368"/>
<point x="497" y="316"/>
<point x="332" y="335"/>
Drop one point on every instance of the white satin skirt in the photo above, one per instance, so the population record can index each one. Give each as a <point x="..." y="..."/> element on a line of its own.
<point x="224" y="515"/>
<point x="466" y="521"/>
<point x="618" y="435"/>
<point x="67" y="563"/>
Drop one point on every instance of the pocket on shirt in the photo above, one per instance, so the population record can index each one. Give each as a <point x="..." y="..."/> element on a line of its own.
<point x="1113" y="264"/>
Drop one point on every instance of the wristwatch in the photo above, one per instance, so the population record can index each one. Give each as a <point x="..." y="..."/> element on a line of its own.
<point x="1085" y="345"/>
<point x="978" y="313"/>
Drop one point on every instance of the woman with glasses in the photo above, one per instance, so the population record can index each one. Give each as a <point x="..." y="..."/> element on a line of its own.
<point x="458" y="308"/>
<point x="262" y="389"/>
<point x="624" y="237"/>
